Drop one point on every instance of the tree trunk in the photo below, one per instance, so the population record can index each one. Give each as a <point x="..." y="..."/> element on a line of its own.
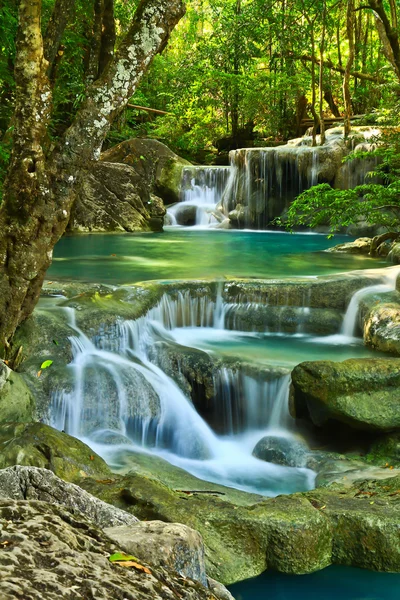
<point x="39" y="191"/>
<point x="346" y="79"/>
<point x="321" y="77"/>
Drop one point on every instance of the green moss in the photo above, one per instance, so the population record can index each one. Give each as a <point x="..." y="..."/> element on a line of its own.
<point x="39" y="445"/>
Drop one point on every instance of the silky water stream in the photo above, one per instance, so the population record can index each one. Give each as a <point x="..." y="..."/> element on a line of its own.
<point x="124" y="396"/>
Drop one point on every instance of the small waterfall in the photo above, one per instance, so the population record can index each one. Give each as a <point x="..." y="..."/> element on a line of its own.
<point x="117" y="400"/>
<point x="202" y="190"/>
<point x="251" y="403"/>
<point x="350" y="320"/>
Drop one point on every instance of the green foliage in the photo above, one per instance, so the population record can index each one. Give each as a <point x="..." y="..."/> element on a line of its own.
<point x="375" y="203"/>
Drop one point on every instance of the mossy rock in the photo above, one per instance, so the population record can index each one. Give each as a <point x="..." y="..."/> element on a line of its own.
<point x="38" y="445"/>
<point x="16" y="401"/>
<point x="363" y="393"/>
<point x="385" y="450"/>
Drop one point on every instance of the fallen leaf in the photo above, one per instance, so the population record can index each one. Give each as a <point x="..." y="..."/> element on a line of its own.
<point x="46" y="364"/>
<point x="39" y="373"/>
<point x="105" y="481"/>
<point x="120" y="556"/>
<point x="91" y="457"/>
<point x="132" y="563"/>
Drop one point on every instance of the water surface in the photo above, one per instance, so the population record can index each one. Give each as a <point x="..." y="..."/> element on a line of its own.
<point x="330" y="584"/>
<point x="180" y="253"/>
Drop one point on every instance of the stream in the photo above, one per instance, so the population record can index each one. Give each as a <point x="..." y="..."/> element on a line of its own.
<point x="162" y="420"/>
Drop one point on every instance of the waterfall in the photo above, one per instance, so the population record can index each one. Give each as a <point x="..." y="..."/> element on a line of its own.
<point x="120" y="401"/>
<point x="261" y="183"/>
<point x="202" y="190"/>
<point x="350" y="319"/>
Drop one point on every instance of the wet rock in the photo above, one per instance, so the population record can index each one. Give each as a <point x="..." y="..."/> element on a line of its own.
<point x="39" y="445"/>
<point x="394" y="254"/>
<point x="382" y="327"/>
<point x="385" y="450"/>
<point x="16" y="400"/>
<point x="32" y="483"/>
<point x="186" y="214"/>
<point x="170" y="545"/>
<point x="363" y="393"/>
<point x="50" y="552"/>
<point x="360" y="246"/>
<point x="219" y="590"/>
<point x="245" y="534"/>
<point x="285" y="451"/>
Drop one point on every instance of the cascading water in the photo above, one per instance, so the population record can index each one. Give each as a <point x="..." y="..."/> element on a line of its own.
<point x="202" y="190"/>
<point x="261" y="183"/>
<point x="120" y="400"/>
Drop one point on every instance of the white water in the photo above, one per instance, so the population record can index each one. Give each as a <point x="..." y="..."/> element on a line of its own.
<point x="202" y="189"/>
<point x="118" y="395"/>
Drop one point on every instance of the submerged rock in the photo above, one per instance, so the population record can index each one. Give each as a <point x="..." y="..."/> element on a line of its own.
<point x="169" y="545"/>
<point x="285" y="451"/>
<point x="49" y="552"/>
<point x="363" y="393"/>
<point x="38" y="445"/>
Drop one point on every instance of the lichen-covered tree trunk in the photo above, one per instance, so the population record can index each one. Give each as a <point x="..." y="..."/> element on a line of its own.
<point x="39" y="189"/>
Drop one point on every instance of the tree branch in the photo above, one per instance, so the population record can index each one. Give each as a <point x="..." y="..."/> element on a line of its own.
<point x="59" y="19"/>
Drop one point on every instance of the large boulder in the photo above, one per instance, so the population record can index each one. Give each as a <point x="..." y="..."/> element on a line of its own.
<point x="170" y="545"/>
<point x="363" y="393"/>
<point x="32" y="483"/>
<point x="50" y="554"/>
<point x="16" y="400"/>
<point x="38" y="445"/>
<point x="154" y="162"/>
<point x="113" y="197"/>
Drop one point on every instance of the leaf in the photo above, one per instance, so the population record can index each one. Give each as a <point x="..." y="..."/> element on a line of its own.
<point x="121" y="556"/>
<point x="46" y="364"/>
<point x="135" y="565"/>
<point x="39" y="373"/>
<point x="142" y="157"/>
<point x="55" y="342"/>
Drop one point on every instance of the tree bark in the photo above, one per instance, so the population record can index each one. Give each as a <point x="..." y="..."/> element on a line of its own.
<point x="61" y="15"/>
<point x="39" y="191"/>
<point x="388" y="31"/>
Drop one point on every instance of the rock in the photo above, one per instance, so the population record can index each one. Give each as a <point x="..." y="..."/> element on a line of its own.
<point x="16" y="401"/>
<point x="38" y="445"/>
<point x="51" y="555"/>
<point x="360" y="246"/>
<point x="285" y="451"/>
<point x="170" y="545"/>
<point x="185" y="214"/>
<point x="394" y="254"/>
<point x="245" y="534"/>
<point x="382" y="327"/>
<point x="219" y="590"/>
<point x="154" y="162"/>
<point x="385" y="450"/>
<point x="238" y="216"/>
<point x="32" y="483"/>
<point x="113" y="197"/>
<point x="363" y="393"/>
<point x="288" y="319"/>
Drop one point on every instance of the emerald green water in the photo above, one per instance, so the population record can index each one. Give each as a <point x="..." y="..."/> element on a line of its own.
<point x="186" y="254"/>
<point x="330" y="584"/>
